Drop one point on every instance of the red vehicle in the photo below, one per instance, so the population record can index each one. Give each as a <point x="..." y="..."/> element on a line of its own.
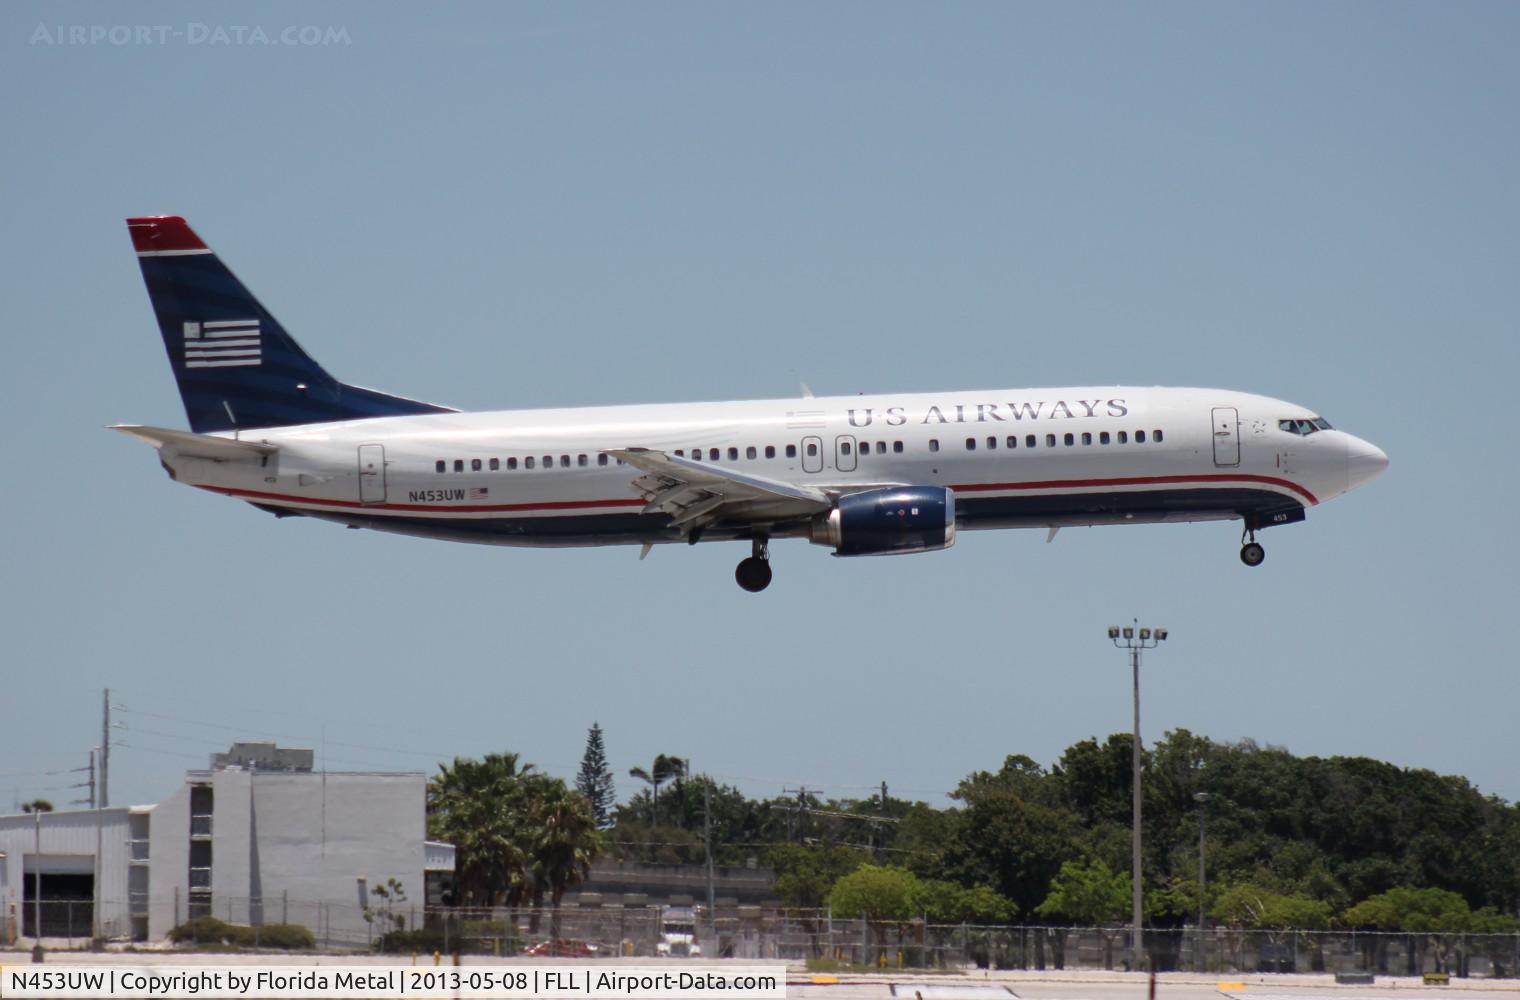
<point x="563" y="949"/>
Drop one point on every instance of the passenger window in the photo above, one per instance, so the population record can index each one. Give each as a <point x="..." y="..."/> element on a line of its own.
<point x="881" y="447"/>
<point x="696" y="454"/>
<point x="770" y="451"/>
<point x="992" y="442"/>
<point x="712" y="453"/>
<point x="844" y="447"/>
<point x="601" y="460"/>
<point x="1050" y="440"/>
<point x="474" y="465"/>
<point x="733" y="454"/>
<point x="897" y="447"/>
<point x="1124" y="437"/>
<point x="791" y="451"/>
<point x="1103" y="438"/>
<point x="1139" y="437"/>
<point x="564" y="461"/>
<point x="458" y="465"/>
<point x="528" y="462"/>
<point x="580" y="460"/>
<point x="441" y="466"/>
<point x="812" y="450"/>
<point x="548" y="461"/>
<point x="1086" y="438"/>
<point x="934" y="444"/>
<point x="511" y="464"/>
<point x="1013" y="441"/>
<point x="971" y="444"/>
<point x="495" y="465"/>
<point x="680" y="453"/>
<point x="749" y="452"/>
<point x="1070" y="440"/>
<point x="1156" y="436"/>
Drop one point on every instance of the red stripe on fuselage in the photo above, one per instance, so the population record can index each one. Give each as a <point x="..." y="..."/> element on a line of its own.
<point x="427" y="507"/>
<point x="552" y="505"/>
<point x="1062" y="484"/>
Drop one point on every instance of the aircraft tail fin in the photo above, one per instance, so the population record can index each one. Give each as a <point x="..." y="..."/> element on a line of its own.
<point x="236" y="367"/>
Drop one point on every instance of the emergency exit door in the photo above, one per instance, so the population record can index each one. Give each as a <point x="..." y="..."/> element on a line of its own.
<point x="371" y="473"/>
<point x="1226" y="436"/>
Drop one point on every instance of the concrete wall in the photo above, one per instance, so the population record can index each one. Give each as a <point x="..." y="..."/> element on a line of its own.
<point x="168" y="863"/>
<point x="283" y="846"/>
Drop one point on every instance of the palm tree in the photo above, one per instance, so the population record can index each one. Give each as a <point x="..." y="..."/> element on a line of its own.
<point x="566" y="845"/>
<point x="480" y="806"/>
<point x="665" y="767"/>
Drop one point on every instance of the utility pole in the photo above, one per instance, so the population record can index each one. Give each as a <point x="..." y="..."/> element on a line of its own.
<point x="794" y="811"/>
<point x="37" y="953"/>
<point x="707" y="836"/>
<point x="105" y="748"/>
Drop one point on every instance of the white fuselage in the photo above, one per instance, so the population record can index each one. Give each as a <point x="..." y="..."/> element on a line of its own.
<point x="1014" y="458"/>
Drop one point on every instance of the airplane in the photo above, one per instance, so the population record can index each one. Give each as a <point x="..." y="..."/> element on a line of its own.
<point x="882" y="474"/>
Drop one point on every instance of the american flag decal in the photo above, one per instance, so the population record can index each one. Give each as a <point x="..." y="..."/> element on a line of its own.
<point x="479" y="493"/>
<point x="222" y="343"/>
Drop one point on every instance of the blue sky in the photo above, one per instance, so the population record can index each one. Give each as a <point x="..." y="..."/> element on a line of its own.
<point x="565" y="204"/>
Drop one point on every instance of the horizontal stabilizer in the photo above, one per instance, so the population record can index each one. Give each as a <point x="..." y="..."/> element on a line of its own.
<point x="218" y="449"/>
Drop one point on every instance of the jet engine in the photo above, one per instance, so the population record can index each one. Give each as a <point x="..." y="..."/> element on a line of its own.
<point x="892" y="521"/>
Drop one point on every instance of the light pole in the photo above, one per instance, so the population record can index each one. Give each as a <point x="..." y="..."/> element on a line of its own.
<point x="1202" y="798"/>
<point x="37" y="883"/>
<point x="1134" y="638"/>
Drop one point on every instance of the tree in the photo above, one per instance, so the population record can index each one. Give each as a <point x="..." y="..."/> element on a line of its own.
<point x="1251" y="907"/>
<point x="565" y="844"/>
<point x="806" y="873"/>
<point x="1010" y="844"/>
<point x="595" y="779"/>
<point x="944" y="902"/>
<point x="878" y="894"/>
<point x="664" y="768"/>
<point x="1410" y="909"/>
<point x="1088" y="894"/>
<point x="479" y="806"/>
<point x="37" y="805"/>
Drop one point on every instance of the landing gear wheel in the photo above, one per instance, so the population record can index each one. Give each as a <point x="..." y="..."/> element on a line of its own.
<point x="1252" y="554"/>
<point x="754" y="574"/>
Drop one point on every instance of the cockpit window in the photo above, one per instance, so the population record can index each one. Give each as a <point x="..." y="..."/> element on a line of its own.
<point x="1303" y="427"/>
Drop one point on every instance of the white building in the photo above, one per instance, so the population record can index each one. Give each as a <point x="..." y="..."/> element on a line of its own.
<point x="247" y="846"/>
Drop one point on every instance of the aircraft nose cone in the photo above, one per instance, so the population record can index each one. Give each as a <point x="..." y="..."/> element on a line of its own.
<point x="1364" y="461"/>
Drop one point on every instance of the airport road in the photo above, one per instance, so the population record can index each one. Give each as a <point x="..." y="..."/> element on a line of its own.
<point x="970" y="985"/>
<point x="1119" y="986"/>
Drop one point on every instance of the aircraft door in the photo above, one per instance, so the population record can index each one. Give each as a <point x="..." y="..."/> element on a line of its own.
<point x="371" y="473"/>
<point x="1226" y="437"/>
<point x="844" y="453"/>
<point x="812" y="454"/>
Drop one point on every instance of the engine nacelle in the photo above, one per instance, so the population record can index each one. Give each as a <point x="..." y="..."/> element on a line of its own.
<point x="892" y="521"/>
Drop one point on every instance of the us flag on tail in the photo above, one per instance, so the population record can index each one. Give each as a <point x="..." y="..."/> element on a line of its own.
<point x="222" y="343"/>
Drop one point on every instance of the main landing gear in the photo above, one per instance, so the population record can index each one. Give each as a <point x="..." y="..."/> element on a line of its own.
<point x="1251" y="553"/>
<point x="754" y="573"/>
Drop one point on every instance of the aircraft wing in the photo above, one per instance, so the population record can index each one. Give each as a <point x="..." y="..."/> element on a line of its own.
<point x="218" y="449"/>
<point x="696" y="494"/>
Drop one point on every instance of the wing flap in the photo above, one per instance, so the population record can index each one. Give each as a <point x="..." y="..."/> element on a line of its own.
<point x="696" y="494"/>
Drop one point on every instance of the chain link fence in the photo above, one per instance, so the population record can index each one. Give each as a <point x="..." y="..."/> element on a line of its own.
<point x="752" y="932"/>
<point x="800" y="935"/>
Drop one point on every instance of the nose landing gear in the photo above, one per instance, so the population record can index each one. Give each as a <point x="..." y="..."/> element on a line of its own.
<point x="754" y="573"/>
<point x="1251" y="553"/>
